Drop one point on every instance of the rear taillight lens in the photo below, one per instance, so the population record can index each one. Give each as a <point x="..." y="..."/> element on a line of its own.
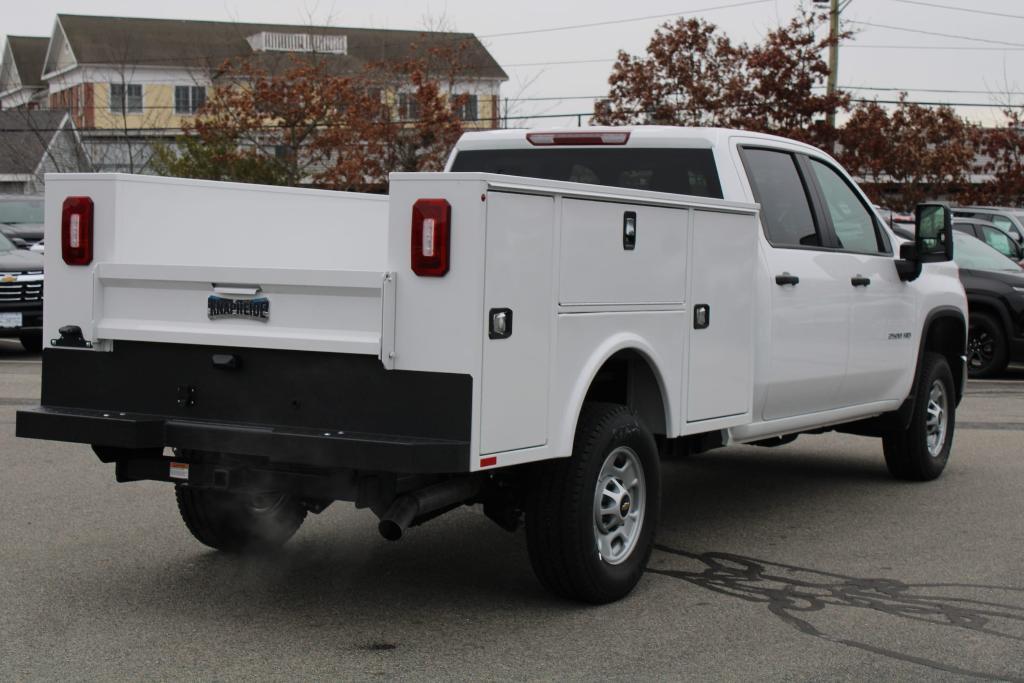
<point x="431" y="236"/>
<point x="76" y="231"/>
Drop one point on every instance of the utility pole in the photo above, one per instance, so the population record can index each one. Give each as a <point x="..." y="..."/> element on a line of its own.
<point x="833" y="51"/>
<point x="833" y="58"/>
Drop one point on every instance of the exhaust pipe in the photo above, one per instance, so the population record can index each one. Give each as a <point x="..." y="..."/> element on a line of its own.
<point x="405" y="510"/>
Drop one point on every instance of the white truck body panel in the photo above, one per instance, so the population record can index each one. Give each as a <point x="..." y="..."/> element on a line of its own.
<point x="162" y="246"/>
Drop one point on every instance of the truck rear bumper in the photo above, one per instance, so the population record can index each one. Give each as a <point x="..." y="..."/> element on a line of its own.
<point x="277" y="445"/>
<point x="325" y="410"/>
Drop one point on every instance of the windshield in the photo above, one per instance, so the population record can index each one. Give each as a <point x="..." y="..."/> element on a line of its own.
<point x="21" y="211"/>
<point x="5" y="244"/>
<point x="680" y="171"/>
<point x="973" y="254"/>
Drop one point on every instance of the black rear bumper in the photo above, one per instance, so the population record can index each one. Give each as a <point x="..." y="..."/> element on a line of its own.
<point x="274" y="445"/>
<point x="321" y="410"/>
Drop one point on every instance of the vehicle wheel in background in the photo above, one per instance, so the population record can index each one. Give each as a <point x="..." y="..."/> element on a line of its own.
<point x="238" y="523"/>
<point x="987" y="353"/>
<point x="920" y="452"/>
<point x="32" y="341"/>
<point x="591" y="518"/>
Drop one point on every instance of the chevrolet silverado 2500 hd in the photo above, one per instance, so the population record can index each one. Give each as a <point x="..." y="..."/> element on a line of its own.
<point x="527" y="331"/>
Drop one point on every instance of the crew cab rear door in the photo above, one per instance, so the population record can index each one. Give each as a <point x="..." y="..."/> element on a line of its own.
<point x="804" y="364"/>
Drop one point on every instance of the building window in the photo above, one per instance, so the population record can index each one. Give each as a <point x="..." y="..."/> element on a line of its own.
<point x="126" y="98"/>
<point x="408" y="106"/>
<point x="467" y="109"/>
<point x="188" y="98"/>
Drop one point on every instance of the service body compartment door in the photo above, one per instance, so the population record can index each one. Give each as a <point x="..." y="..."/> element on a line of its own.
<point x="602" y="264"/>
<point x="520" y="243"/>
<point x="723" y="267"/>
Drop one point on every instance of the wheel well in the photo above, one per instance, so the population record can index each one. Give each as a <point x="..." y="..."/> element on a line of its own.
<point x="627" y="378"/>
<point x="983" y="306"/>
<point x="947" y="335"/>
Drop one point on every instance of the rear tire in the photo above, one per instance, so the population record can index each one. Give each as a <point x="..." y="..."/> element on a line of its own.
<point x="987" y="352"/>
<point x="920" y="452"/>
<point x="32" y="341"/>
<point x="591" y="518"/>
<point x="238" y="523"/>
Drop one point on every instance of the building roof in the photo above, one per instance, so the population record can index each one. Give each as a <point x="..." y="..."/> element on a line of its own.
<point x="24" y="137"/>
<point x="29" y="53"/>
<point x="171" y="42"/>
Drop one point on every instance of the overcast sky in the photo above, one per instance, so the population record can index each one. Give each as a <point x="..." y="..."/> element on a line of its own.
<point x="877" y="57"/>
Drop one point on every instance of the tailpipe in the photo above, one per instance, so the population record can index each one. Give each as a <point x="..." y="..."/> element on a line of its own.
<point x="420" y="505"/>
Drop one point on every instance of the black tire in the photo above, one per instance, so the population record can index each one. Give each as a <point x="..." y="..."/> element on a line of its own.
<point x="561" y="518"/>
<point x="238" y="523"/>
<point x="32" y="341"/>
<point x="907" y="453"/>
<point x="987" y="351"/>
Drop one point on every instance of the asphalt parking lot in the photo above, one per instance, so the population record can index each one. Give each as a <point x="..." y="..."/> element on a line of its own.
<point x="805" y="562"/>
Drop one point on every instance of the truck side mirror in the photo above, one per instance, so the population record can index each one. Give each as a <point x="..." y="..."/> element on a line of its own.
<point x="933" y="240"/>
<point x="933" y="232"/>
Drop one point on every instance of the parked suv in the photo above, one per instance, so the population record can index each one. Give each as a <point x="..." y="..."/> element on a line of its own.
<point x="1007" y="218"/>
<point x="21" y="295"/>
<point x="995" y="298"/>
<point x="993" y="236"/>
<point x="21" y="219"/>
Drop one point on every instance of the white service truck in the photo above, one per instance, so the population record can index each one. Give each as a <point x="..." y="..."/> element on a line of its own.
<point x="529" y="330"/>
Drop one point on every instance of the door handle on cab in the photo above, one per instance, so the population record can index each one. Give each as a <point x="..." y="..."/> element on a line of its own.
<point x="786" y="279"/>
<point x="860" y="281"/>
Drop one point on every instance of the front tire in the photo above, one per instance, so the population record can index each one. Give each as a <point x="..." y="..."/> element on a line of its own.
<point x="238" y="523"/>
<point x="920" y="452"/>
<point x="987" y="351"/>
<point x="591" y="518"/>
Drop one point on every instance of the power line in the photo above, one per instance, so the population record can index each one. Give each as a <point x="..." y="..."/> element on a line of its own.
<point x="624" y="21"/>
<point x="960" y="9"/>
<point x="934" y="33"/>
<point x="944" y="48"/>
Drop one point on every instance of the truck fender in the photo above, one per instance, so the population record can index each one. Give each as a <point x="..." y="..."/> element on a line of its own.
<point x="599" y="356"/>
<point x="953" y="349"/>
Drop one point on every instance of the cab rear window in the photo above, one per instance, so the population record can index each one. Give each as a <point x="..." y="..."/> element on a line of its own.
<point x="679" y="171"/>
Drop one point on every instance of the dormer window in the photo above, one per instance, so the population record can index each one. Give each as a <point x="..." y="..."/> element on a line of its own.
<point x="276" y="41"/>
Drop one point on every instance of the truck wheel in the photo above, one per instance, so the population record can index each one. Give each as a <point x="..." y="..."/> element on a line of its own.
<point x="987" y="353"/>
<point x="920" y="452"/>
<point x="237" y="523"/>
<point x="591" y="518"/>
<point x="32" y="342"/>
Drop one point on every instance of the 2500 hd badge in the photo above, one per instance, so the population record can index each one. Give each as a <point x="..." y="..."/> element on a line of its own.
<point x="218" y="307"/>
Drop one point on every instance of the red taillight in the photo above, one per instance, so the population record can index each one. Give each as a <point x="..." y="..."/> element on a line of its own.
<point x="579" y="138"/>
<point x="76" y="231"/>
<point x="431" y="236"/>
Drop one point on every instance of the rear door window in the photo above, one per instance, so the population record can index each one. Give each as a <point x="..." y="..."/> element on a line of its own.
<point x="785" y="203"/>
<point x="679" y="171"/>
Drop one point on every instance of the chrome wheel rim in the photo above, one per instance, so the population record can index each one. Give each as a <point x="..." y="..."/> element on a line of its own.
<point x="936" y="421"/>
<point x="620" y="502"/>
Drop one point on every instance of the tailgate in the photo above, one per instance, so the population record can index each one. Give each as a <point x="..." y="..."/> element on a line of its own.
<point x="200" y="262"/>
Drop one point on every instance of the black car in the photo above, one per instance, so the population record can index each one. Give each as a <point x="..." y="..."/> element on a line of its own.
<point x="21" y="219"/>
<point x="21" y="295"/>
<point x="995" y="300"/>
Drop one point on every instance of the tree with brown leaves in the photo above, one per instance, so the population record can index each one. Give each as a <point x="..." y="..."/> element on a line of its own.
<point x="909" y="154"/>
<point x="693" y="75"/>
<point x="304" y="124"/>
